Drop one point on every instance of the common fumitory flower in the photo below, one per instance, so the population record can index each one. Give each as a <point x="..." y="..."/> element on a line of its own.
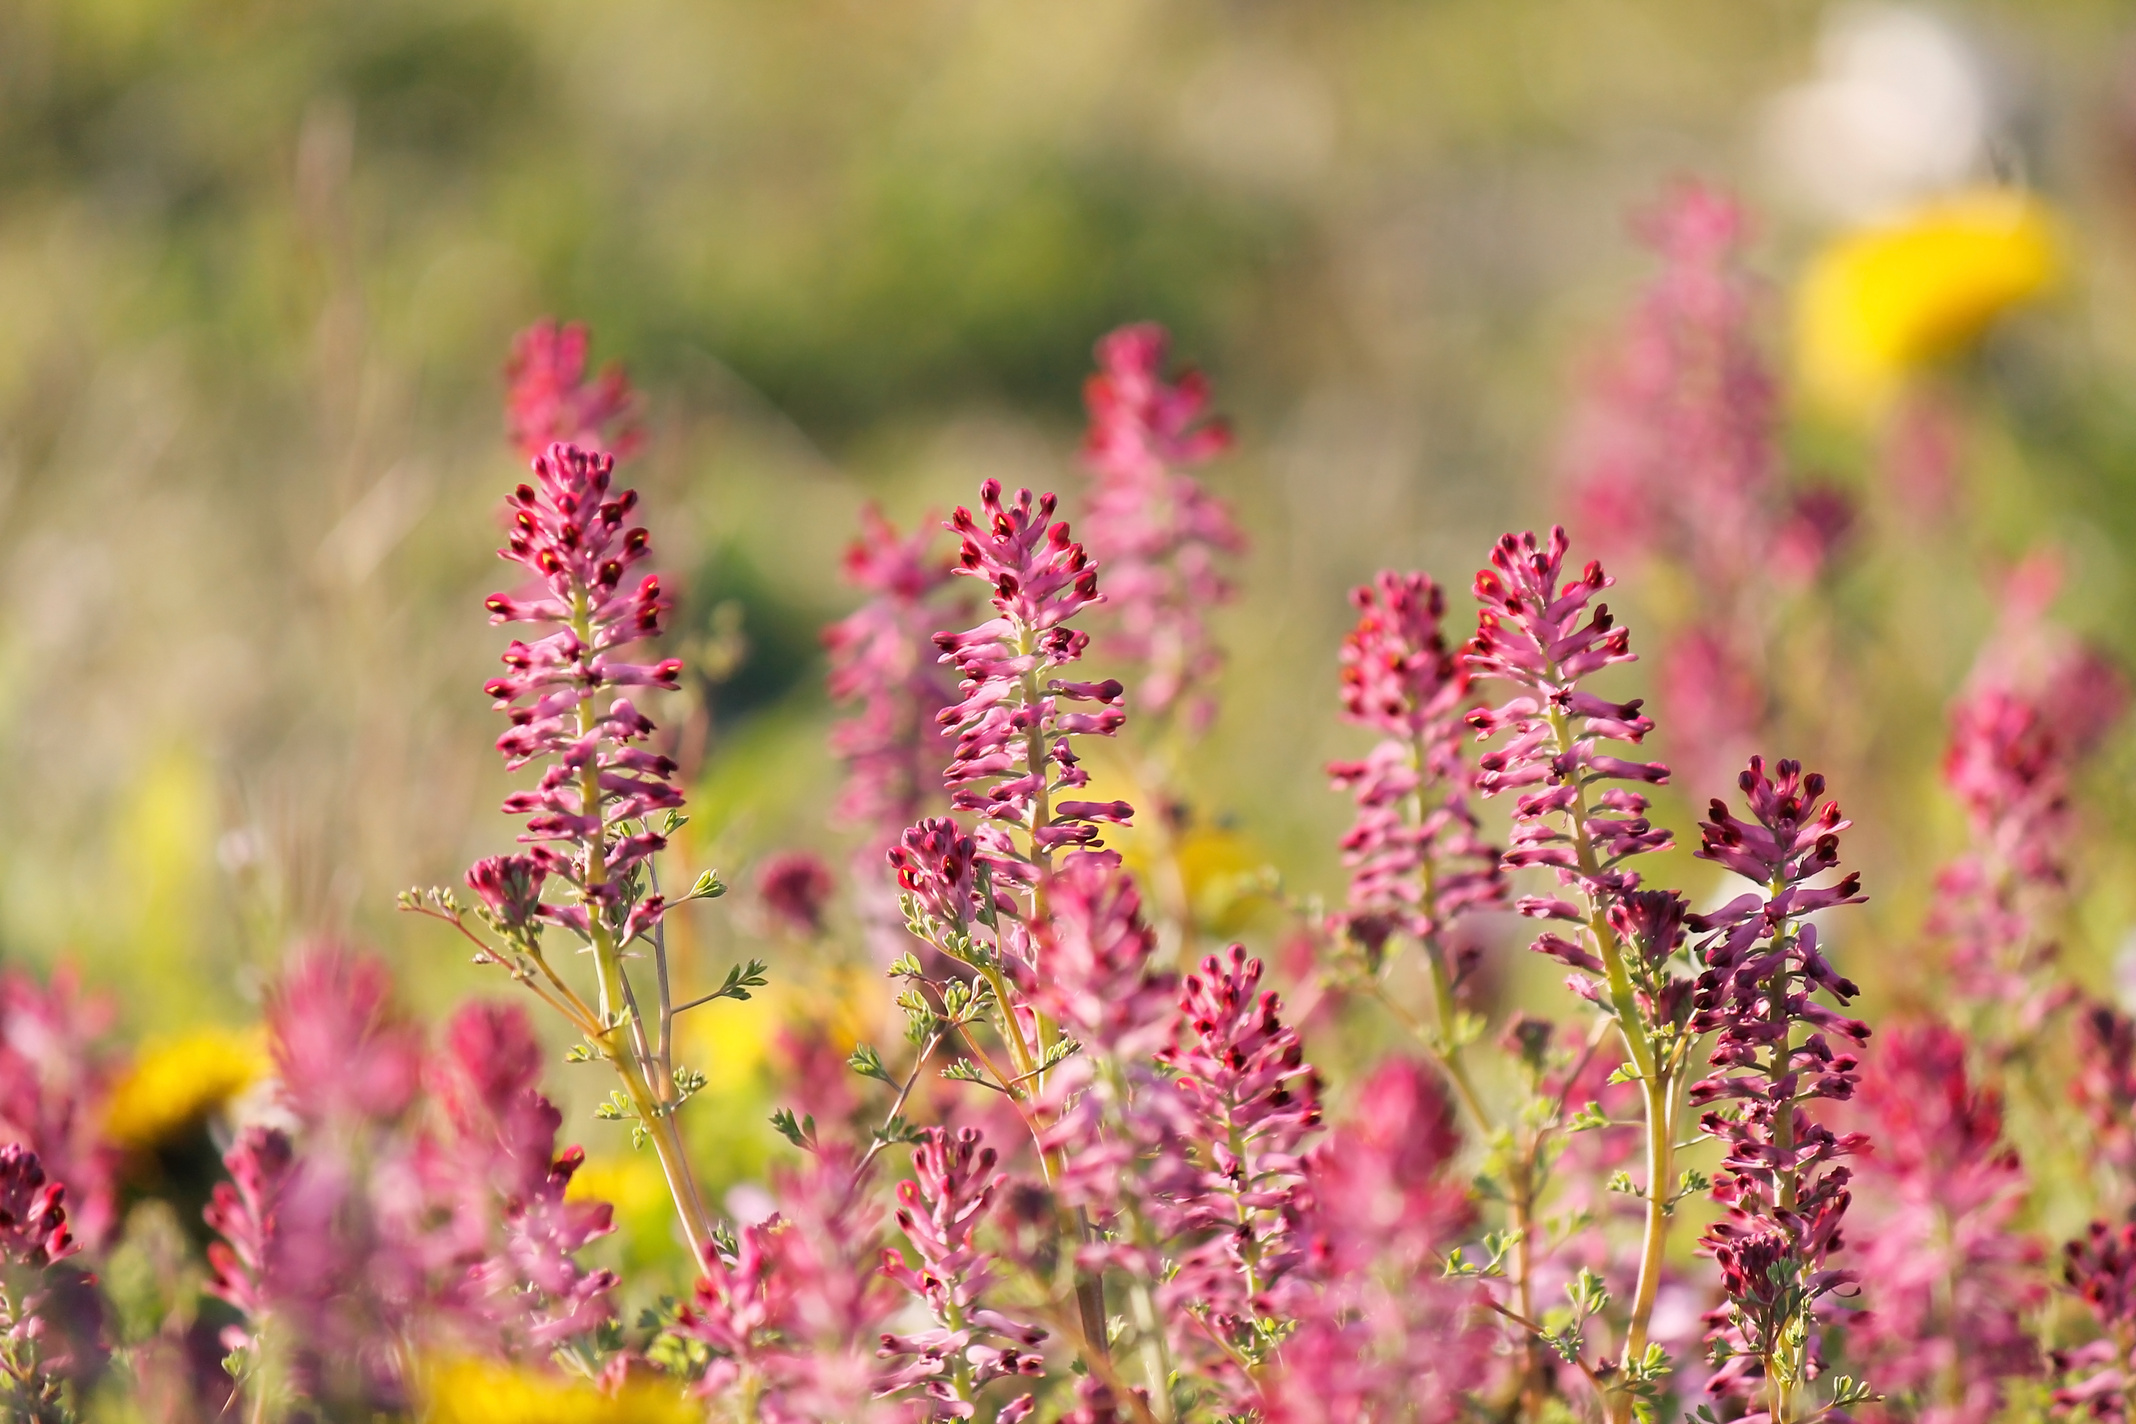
<point x="33" y="1211"/>
<point x="1541" y="635"/>
<point x="1947" y="1278"/>
<point x="242" y="1212"/>
<point x="1673" y="451"/>
<point x="52" y="1344"/>
<point x="882" y="659"/>
<point x="1415" y="854"/>
<point x="2104" y="1087"/>
<point x="794" y="1314"/>
<point x="1253" y="1102"/>
<point x="1012" y="723"/>
<point x="1161" y="535"/>
<point x="971" y="1345"/>
<point x="1673" y="458"/>
<point x="796" y="888"/>
<point x="495" y="1228"/>
<point x="551" y="398"/>
<point x="1381" y="1335"/>
<point x="55" y="1086"/>
<point x="373" y="1224"/>
<point x="1781" y="1179"/>
<point x="2100" y="1266"/>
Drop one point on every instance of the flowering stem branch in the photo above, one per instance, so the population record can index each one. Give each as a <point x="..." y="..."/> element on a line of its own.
<point x="1654" y="1081"/>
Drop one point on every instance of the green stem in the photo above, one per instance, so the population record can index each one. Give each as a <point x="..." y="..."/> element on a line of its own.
<point x="655" y="1111"/>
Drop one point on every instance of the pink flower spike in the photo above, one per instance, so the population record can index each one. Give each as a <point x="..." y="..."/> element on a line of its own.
<point x="882" y="659"/>
<point x="1416" y="856"/>
<point x="1013" y="723"/>
<point x="1161" y="535"/>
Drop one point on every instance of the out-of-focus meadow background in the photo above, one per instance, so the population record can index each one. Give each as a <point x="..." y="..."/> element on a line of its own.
<point x="260" y="262"/>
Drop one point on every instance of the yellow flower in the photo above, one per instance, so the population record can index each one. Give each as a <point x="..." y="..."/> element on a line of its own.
<point x="1882" y="302"/>
<point x="176" y="1084"/>
<point x="480" y="1392"/>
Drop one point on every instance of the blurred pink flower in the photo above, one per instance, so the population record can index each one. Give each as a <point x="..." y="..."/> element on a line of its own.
<point x="550" y="398"/>
<point x="54" y="1081"/>
<point x="1159" y="533"/>
<point x="796" y="888"/>
<point x="882" y="658"/>
<point x="1672" y="451"/>
<point x="1947" y="1278"/>
<point x="795" y="1313"/>
<point x="1381" y="1334"/>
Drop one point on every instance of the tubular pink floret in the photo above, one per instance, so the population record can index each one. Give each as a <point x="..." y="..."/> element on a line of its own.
<point x="1159" y="532"/>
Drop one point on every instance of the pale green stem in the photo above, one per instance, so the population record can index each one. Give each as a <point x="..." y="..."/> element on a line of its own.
<point x="655" y="1112"/>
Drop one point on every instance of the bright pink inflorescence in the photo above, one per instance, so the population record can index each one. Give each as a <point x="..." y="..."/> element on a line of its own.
<point x="1012" y="722"/>
<point x="1160" y="534"/>
<point x="1540" y="634"/>
<point x="550" y="399"/>
<point x="1251" y="1104"/>
<point x="971" y="1345"/>
<point x="1947" y="1278"/>
<point x="570" y="530"/>
<point x="1416" y="857"/>
<point x="1781" y="1180"/>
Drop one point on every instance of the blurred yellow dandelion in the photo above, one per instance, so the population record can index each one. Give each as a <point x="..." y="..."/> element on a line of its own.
<point x="176" y="1084"/>
<point x="480" y="1392"/>
<point x="1879" y="303"/>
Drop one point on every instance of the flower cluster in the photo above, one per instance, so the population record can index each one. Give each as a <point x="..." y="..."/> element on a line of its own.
<point x="792" y="1314"/>
<point x="1381" y="1335"/>
<point x="1781" y="1180"/>
<point x="1161" y="535"/>
<point x="1011" y="722"/>
<point x="1673" y="457"/>
<point x="1252" y="1102"/>
<point x="369" y="1223"/>
<point x="881" y="658"/>
<point x="953" y="1186"/>
<point x="1948" y="1278"/>
<point x="2039" y="704"/>
<point x="1416" y="857"/>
